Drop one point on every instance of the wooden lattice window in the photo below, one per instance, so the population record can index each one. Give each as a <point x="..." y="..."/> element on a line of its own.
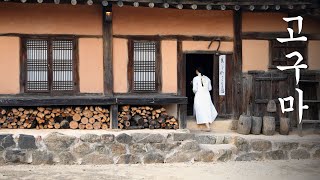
<point x="49" y="65"/>
<point x="144" y="66"/>
<point x="278" y="52"/>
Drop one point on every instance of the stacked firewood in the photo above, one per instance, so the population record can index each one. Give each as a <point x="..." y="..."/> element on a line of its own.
<point x="55" y="118"/>
<point x="145" y="117"/>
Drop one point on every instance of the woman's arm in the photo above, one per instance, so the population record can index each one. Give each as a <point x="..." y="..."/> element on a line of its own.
<point x="209" y="85"/>
<point x="194" y="85"/>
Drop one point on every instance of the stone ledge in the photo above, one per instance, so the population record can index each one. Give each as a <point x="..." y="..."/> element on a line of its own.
<point x="151" y="147"/>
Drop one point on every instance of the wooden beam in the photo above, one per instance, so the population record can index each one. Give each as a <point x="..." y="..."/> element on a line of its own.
<point x="51" y="35"/>
<point x="237" y="58"/>
<point x="107" y="52"/>
<point x="114" y="116"/>
<point x="37" y="100"/>
<point x="174" y="37"/>
<point x="274" y="35"/>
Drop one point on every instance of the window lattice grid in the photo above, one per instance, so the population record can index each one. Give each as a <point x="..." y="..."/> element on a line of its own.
<point x="62" y="69"/>
<point x="280" y="50"/>
<point x="144" y="66"/>
<point x="37" y="65"/>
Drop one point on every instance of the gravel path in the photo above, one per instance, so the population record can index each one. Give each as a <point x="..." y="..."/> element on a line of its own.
<point x="293" y="169"/>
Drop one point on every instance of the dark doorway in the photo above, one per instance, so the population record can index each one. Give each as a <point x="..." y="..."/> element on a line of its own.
<point x="192" y="62"/>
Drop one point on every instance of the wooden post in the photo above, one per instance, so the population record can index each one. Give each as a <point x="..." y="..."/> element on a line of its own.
<point x="114" y="116"/>
<point x="107" y="50"/>
<point x="181" y="70"/>
<point x="182" y="116"/>
<point x="237" y="58"/>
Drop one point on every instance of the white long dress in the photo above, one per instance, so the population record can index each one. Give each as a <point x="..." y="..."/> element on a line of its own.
<point x="203" y="107"/>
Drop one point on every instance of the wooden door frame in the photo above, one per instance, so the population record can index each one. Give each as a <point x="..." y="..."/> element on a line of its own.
<point x="182" y="65"/>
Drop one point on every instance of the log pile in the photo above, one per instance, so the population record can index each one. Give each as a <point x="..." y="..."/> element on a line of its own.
<point x="145" y="117"/>
<point x="55" y="118"/>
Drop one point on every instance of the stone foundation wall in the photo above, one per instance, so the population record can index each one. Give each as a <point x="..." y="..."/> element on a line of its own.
<point x="57" y="148"/>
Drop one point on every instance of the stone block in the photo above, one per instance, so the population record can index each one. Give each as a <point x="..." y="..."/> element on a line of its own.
<point x="189" y="146"/>
<point x="299" y="154"/>
<point x="242" y="144"/>
<point x="179" y="157"/>
<point x="220" y="139"/>
<point x="26" y="142"/>
<point x="107" y="138"/>
<point x="261" y="145"/>
<point x="6" y="140"/>
<point x="182" y="136"/>
<point x="276" y="155"/>
<point x="17" y="156"/>
<point x="91" y="138"/>
<point x="42" y="157"/>
<point x="97" y="159"/>
<point x="81" y="149"/>
<point x="117" y="149"/>
<point x="101" y="149"/>
<point x="316" y="154"/>
<point x="252" y="156"/>
<point x="124" y="138"/>
<point x="163" y="147"/>
<point x="137" y="148"/>
<point x="287" y="146"/>
<point x="58" y="142"/>
<point x="128" y="159"/>
<point x="148" y="138"/>
<point x="205" y="156"/>
<point x="153" y="158"/>
<point x="205" y="139"/>
<point x="66" y="158"/>
<point x="225" y="155"/>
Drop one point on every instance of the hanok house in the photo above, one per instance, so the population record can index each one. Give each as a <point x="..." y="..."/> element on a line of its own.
<point x="144" y="52"/>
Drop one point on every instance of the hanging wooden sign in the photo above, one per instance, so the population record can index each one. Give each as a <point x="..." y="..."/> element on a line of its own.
<point x="222" y="75"/>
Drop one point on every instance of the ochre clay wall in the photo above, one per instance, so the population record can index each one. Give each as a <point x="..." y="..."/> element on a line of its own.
<point x="91" y="65"/>
<point x="50" y="19"/>
<point x="129" y="20"/>
<point x="314" y="55"/>
<point x="120" y="63"/>
<point x="9" y="65"/>
<point x="255" y="55"/>
<point x="264" y="22"/>
<point x="169" y="66"/>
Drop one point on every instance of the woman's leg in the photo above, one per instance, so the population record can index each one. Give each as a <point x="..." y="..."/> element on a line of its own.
<point x="208" y="127"/>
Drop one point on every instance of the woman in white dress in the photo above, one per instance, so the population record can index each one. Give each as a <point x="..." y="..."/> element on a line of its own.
<point x="204" y="110"/>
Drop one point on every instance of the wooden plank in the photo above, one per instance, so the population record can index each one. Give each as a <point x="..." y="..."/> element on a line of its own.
<point x="237" y="58"/>
<point x="143" y="100"/>
<point x="182" y="116"/>
<point x="56" y="100"/>
<point x="107" y="53"/>
<point x="114" y="116"/>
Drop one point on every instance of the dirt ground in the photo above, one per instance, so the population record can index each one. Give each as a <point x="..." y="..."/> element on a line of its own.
<point x="293" y="170"/>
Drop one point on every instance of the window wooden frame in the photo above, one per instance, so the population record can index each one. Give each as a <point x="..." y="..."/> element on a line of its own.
<point x="287" y="48"/>
<point x="131" y="67"/>
<point x="24" y="71"/>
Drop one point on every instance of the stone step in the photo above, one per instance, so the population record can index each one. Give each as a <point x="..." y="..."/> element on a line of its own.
<point x="203" y="138"/>
<point x="221" y="152"/>
<point x="217" y="125"/>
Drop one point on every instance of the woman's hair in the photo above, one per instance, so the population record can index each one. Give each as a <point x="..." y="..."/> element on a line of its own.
<point x="200" y="70"/>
